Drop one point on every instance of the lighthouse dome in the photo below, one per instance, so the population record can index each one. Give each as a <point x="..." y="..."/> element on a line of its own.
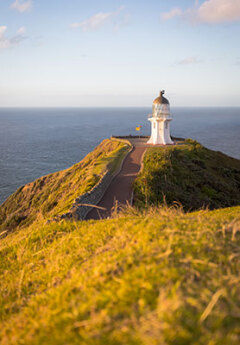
<point x="160" y="107"/>
<point x="161" y="99"/>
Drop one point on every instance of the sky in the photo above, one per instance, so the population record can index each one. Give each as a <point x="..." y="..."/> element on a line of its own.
<point x="97" y="53"/>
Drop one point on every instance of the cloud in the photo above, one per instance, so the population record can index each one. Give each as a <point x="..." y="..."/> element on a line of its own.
<point x="21" y="30"/>
<point x="175" y="12"/>
<point x="210" y="11"/>
<point x="6" y="42"/>
<point x="22" y="6"/>
<point x="98" y="20"/>
<point x="3" y="29"/>
<point x="93" y="22"/>
<point x="218" y="11"/>
<point x="189" y="61"/>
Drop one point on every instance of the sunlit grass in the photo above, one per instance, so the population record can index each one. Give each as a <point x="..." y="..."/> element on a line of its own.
<point x="54" y="194"/>
<point x="160" y="277"/>
<point x="148" y="276"/>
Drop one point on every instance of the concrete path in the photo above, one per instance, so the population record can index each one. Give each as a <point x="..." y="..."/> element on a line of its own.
<point x="120" y="190"/>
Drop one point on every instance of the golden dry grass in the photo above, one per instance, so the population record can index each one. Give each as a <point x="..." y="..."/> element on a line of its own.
<point x="149" y="276"/>
<point x="160" y="277"/>
<point x="54" y="194"/>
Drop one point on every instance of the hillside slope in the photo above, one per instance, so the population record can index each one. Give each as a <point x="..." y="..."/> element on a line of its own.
<point x="54" y="194"/>
<point x="189" y="174"/>
<point x="149" y="276"/>
<point x="162" y="277"/>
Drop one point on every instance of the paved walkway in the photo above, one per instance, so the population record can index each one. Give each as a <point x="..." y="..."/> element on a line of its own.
<point x="119" y="191"/>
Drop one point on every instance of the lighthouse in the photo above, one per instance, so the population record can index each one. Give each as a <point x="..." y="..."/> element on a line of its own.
<point x="160" y="121"/>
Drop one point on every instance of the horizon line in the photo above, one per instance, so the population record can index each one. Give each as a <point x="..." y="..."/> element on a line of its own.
<point x="104" y="107"/>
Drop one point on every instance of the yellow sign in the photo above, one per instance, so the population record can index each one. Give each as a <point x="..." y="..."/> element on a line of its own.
<point x="138" y="128"/>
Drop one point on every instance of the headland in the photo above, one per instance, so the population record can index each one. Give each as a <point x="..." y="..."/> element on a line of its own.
<point x="164" y="268"/>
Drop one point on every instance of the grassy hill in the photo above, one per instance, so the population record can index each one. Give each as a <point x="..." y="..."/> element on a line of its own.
<point x="54" y="194"/>
<point x="152" y="275"/>
<point x="160" y="277"/>
<point x="189" y="174"/>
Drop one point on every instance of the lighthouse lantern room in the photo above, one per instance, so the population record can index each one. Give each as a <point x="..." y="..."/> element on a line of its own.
<point x="160" y="121"/>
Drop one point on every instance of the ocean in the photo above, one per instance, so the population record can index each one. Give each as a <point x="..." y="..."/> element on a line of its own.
<point x="35" y="142"/>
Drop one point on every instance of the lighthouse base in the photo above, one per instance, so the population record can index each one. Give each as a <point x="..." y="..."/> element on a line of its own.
<point x="160" y="132"/>
<point x="151" y="142"/>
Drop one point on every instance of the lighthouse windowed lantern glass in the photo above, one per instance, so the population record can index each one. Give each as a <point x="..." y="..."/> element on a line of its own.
<point x="161" y="110"/>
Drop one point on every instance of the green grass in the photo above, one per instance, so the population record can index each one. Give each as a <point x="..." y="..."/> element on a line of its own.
<point x="152" y="275"/>
<point x="157" y="277"/>
<point x="54" y="194"/>
<point x="189" y="174"/>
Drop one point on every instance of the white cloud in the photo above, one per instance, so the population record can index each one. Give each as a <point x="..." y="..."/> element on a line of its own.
<point x="175" y="12"/>
<point x="22" y="6"/>
<point x="93" y="22"/>
<point x="8" y="42"/>
<point x="218" y="11"/>
<point x="4" y="42"/>
<point x="3" y="29"/>
<point x="96" y="21"/>
<point x="210" y="11"/>
<point x="189" y="61"/>
<point x="21" y="30"/>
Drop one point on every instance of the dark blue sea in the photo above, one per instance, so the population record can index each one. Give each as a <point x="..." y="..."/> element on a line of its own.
<point x="36" y="142"/>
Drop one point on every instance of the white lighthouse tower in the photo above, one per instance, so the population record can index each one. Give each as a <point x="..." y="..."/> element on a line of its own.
<point x="160" y="121"/>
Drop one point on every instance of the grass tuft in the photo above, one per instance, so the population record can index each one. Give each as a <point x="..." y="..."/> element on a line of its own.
<point x="156" y="277"/>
